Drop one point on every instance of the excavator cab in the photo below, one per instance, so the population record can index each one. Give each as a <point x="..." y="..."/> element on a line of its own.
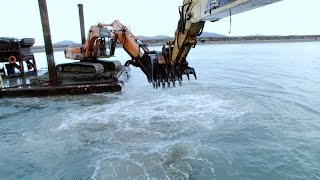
<point x="100" y="44"/>
<point x="106" y="44"/>
<point x="106" y="47"/>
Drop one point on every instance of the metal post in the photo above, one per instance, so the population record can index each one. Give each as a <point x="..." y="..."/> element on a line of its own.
<point x="48" y="43"/>
<point x="82" y="29"/>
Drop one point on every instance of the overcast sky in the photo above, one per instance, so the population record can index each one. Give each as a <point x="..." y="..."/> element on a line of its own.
<point x="20" y="18"/>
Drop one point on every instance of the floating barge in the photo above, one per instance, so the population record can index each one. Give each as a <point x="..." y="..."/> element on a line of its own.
<point x="72" y="78"/>
<point x="69" y="83"/>
<point x="64" y="79"/>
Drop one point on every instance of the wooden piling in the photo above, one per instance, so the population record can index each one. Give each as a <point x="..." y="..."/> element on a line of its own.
<point x="48" y="42"/>
<point x="82" y="28"/>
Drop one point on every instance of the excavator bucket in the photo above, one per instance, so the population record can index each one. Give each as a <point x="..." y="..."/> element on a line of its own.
<point x="159" y="72"/>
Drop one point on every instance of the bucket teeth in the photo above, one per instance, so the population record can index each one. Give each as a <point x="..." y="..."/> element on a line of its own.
<point x="167" y="79"/>
<point x="189" y="71"/>
<point x="166" y="75"/>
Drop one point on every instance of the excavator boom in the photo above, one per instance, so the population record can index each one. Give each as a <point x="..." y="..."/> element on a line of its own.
<point x="194" y="13"/>
<point x="172" y="63"/>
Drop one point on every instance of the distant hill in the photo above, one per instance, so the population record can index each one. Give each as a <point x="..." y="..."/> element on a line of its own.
<point x="209" y="35"/>
<point x="65" y="43"/>
<point x="255" y="35"/>
<point x="59" y="46"/>
<point x="164" y="37"/>
<point x="159" y="37"/>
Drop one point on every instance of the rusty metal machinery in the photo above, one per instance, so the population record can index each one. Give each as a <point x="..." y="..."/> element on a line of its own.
<point x="14" y="53"/>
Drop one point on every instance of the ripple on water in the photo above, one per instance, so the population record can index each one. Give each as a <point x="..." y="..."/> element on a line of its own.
<point x="172" y="161"/>
<point x="246" y="117"/>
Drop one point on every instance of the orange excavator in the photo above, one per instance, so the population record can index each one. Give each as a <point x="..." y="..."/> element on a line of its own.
<point x="102" y="40"/>
<point x="101" y="43"/>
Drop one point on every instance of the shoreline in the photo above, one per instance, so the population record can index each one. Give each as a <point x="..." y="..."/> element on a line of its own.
<point x="240" y="42"/>
<point x="259" y="41"/>
<point x="203" y="41"/>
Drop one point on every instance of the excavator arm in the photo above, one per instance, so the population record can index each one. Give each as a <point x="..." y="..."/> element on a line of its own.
<point x="139" y="52"/>
<point x="193" y="15"/>
<point x="101" y="43"/>
<point x="130" y="42"/>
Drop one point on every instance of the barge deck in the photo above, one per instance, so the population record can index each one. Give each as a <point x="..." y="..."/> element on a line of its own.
<point x="69" y="84"/>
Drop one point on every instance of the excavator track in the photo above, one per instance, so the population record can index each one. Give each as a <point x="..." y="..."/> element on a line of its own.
<point x="96" y="67"/>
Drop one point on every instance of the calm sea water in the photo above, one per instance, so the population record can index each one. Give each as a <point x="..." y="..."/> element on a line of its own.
<point x="253" y="113"/>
